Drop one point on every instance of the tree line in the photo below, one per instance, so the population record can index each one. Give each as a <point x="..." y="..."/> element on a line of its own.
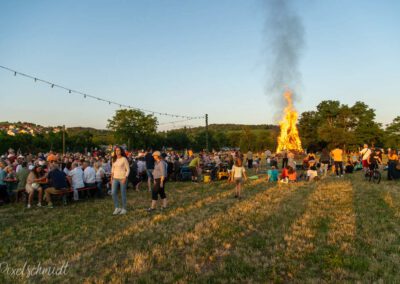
<point x="331" y="124"/>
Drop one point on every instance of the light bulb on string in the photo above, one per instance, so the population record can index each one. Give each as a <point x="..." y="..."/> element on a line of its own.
<point x="52" y="85"/>
<point x="15" y="73"/>
<point x="69" y="91"/>
<point x="84" y="96"/>
<point x="35" y="80"/>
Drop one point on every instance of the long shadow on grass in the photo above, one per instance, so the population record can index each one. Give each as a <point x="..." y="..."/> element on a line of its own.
<point x="250" y="258"/>
<point x="92" y="255"/>
<point x="66" y="235"/>
<point x="190" y="252"/>
<point x="378" y="239"/>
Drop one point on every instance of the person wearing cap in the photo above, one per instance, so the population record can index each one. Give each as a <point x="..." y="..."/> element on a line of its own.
<point x="51" y="157"/>
<point x="160" y="175"/>
<point x="20" y="160"/>
<point x="57" y="181"/>
<point x="119" y="178"/>
<point x="33" y="184"/>
<point x="22" y="176"/>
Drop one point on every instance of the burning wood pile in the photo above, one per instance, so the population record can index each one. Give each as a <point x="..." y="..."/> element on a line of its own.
<point x="289" y="139"/>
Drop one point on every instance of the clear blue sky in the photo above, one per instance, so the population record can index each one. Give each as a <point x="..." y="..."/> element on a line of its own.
<point x="190" y="57"/>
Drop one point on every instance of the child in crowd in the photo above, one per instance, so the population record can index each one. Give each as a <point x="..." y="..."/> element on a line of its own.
<point x="284" y="177"/>
<point x="272" y="174"/>
<point x="312" y="173"/>
<point x="292" y="175"/>
<point x="238" y="173"/>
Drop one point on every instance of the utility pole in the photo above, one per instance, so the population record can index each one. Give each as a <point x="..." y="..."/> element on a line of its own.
<point x="207" y="132"/>
<point x="63" y="140"/>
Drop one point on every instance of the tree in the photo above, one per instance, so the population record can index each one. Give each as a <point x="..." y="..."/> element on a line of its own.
<point x="177" y="139"/>
<point x="393" y="133"/>
<point x="133" y="127"/>
<point x="366" y="129"/>
<point x="335" y="123"/>
<point x="308" y="126"/>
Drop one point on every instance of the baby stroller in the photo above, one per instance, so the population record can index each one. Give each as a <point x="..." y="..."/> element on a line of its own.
<point x="185" y="173"/>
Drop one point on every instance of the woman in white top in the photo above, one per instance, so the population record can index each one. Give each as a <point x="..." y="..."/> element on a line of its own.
<point x="119" y="178"/>
<point x="238" y="173"/>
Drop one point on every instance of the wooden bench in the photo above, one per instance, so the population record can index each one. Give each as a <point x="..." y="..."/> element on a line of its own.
<point x="63" y="193"/>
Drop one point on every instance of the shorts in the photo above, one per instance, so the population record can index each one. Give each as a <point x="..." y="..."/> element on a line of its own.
<point x="158" y="190"/>
<point x="30" y="189"/>
<point x="365" y="163"/>
<point x="52" y="190"/>
<point x="238" y="180"/>
<point x="150" y="173"/>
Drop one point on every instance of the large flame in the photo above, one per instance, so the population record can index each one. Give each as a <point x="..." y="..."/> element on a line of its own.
<point x="289" y="137"/>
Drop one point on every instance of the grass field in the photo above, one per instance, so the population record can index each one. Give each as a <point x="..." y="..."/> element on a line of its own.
<point x="331" y="230"/>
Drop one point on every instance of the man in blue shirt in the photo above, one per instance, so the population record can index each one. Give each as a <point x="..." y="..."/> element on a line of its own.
<point x="57" y="181"/>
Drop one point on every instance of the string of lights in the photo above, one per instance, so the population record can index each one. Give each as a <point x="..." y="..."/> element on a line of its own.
<point x="85" y="95"/>
<point x="177" y="121"/>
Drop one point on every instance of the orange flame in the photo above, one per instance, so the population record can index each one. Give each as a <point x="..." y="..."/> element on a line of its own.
<point x="289" y="137"/>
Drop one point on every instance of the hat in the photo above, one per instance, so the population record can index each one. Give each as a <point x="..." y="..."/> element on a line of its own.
<point x="31" y="167"/>
<point x="157" y="153"/>
<point x="20" y="157"/>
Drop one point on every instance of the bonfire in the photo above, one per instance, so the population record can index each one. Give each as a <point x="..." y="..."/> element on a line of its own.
<point x="289" y="139"/>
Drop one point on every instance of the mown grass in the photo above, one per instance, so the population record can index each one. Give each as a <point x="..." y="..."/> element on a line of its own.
<point x="332" y="230"/>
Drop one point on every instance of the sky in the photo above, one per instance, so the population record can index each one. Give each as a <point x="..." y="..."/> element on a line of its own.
<point x="190" y="58"/>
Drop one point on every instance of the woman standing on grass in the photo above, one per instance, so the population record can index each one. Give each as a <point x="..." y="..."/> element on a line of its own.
<point x="238" y="173"/>
<point x="119" y="178"/>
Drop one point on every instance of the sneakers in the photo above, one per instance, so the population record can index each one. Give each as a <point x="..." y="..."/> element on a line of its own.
<point x="122" y="212"/>
<point x="117" y="211"/>
<point x="28" y="206"/>
<point x="151" y="209"/>
<point x="49" y="205"/>
<point x="39" y="205"/>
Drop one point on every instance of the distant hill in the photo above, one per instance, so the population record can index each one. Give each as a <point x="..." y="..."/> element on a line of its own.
<point x="13" y="128"/>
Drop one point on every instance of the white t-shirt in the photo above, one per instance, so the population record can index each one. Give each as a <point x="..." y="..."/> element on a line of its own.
<point x="19" y="167"/>
<point x="99" y="174"/>
<point x="77" y="178"/>
<point x="89" y="175"/>
<point x="141" y="166"/>
<point x="312" y="174"/>
<point x="366" y="152"/>
<point x="238" y="171"/>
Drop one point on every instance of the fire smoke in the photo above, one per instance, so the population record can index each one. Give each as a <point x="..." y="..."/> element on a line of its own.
<point x="284" y="34"/>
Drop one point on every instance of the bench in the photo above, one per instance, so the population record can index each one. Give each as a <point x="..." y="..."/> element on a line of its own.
<point x="63" y="193"/>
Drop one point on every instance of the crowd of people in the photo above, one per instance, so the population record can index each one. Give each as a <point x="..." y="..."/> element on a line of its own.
<point x="110" y="172"/>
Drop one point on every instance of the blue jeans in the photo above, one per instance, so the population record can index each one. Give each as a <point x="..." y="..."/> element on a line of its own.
<point x="99" y="188"/>
<point x="115" y="184"/>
